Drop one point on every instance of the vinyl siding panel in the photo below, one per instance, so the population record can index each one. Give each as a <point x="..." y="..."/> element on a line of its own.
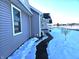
<point x="8" y="42"/>
<point x="35" y="23"/>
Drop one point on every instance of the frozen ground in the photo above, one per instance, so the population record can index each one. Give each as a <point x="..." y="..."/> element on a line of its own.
<point x="26" y="51"/>
<point x="65" y="44"/>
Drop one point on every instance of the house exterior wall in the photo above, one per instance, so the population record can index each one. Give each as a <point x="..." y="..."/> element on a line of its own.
<point x="35" y="23"/>
<point x="44" y="24"/>
<point x="8" y="42"/>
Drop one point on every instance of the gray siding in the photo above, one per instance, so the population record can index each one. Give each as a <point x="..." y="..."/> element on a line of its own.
<point x="8" y="42"/>
<point x="35" y="23"/>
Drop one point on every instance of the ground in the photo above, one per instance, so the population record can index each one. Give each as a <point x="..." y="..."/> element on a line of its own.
<point x="64" y="45"/>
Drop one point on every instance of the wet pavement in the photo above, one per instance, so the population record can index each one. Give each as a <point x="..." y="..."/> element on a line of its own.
<point x="41" y="52"/>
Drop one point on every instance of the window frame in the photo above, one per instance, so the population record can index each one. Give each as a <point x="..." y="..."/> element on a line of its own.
<point x="14" y="7"/>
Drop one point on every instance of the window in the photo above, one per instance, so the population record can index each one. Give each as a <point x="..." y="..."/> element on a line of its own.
<point x="16" y="20"/>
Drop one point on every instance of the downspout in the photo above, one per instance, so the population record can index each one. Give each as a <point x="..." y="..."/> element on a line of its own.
<point x="30" y="18"/>
<point x="39" y="25"/>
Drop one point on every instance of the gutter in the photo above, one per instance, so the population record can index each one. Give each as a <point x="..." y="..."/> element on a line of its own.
<point x="25" y="7"/>
<point x="19" y="4"/>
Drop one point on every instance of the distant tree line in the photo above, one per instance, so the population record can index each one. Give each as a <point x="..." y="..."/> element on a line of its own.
<point x="68" y="24"/>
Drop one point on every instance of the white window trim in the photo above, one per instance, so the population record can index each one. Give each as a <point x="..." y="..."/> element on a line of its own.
<point x="13" y="6"/>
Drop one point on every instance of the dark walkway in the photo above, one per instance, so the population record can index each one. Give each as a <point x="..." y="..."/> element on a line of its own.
<point x="41" y="52"/>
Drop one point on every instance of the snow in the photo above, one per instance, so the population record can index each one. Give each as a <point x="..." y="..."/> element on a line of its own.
<point x="64" y="45"/>
<point x="25" y="51"/>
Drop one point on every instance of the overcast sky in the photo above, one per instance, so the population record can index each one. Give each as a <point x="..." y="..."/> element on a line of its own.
<point x="62" y="11"/>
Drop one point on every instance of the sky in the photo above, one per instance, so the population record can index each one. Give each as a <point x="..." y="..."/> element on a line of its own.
<point x="61" y="11"/>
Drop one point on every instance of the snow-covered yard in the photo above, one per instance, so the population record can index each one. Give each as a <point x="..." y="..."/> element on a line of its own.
<point x="65" y="44"/>
<point x="26" y="51"/>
